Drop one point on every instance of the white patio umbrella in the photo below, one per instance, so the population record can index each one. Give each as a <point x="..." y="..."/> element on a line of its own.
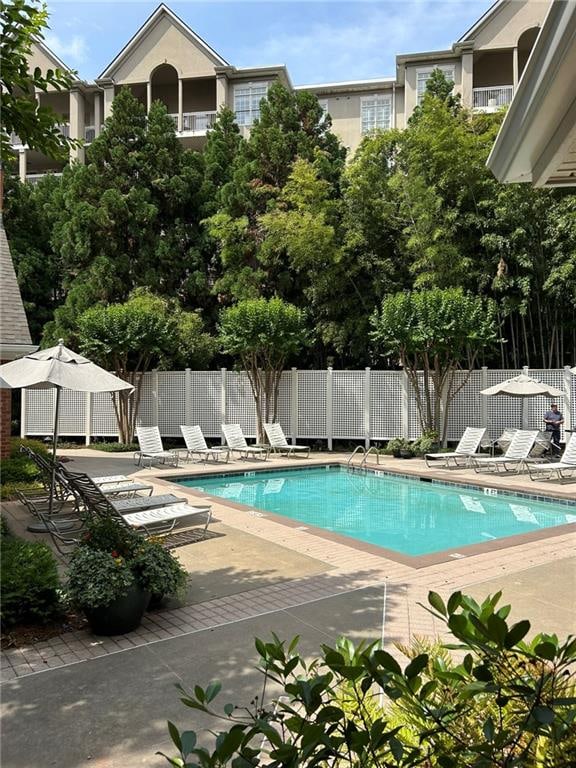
<point x="573" y="370"/>
<point x="59" y="368"/>
<point x="521" y="386"/>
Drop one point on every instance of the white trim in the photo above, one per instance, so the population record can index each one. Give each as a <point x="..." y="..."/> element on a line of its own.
<point x="14" y="351"/>
<point x="252" y="112"/>
<point x="377" y="99"/>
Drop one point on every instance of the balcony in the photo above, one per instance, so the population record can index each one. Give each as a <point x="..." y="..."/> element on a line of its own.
<point x="195" y="123"/>
<point x="492" y="98"/>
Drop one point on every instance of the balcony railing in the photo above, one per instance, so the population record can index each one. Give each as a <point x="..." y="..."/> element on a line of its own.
<point x="493" y="97"/>
<point x="195" y="122"/>
<point x="16" y="141"/>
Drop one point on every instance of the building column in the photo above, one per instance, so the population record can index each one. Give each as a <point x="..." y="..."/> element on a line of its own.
<point x="22" y="164"/>
<point x="467" y="80"/>
<point x="180" y="103"/>
<point x="97" y="113"/>
<point x="77" y="124"/>
<point x="515" y="67"/>
<point x="108" y="99"/>
<point x="148" y="95"/>
<point x="221" y="91"/>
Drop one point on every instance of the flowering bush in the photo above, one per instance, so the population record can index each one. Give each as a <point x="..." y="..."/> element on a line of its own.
<point x="97" y="578"/>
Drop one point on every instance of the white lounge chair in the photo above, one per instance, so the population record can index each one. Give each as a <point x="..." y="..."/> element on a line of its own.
<point x="517" y="453"/>
<point x="558" y="469"/>
<point x="237" y="442"/>
<point x="151" y="448"/>
<point x="163" y="520"/>
<point x="278" y="442"/>
<point x="467" y="446"/>
<point x="196" y="444"/>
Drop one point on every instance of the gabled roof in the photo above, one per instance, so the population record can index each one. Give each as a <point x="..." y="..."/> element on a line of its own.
<point x="471" y="33"/>
<point x="14" y="329"/>
<point x="162" y="10"/>
<point x="52" y="56"/>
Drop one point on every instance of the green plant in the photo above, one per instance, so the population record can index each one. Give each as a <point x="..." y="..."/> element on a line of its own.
<point x="115" y="447"/>
<point x="398" y="445"/>
<point x="108" y="534"/>
<point x="28" y="580"/>
<point x="505" y="702"/>
<point x="97" y="578"/>
<point x="426" y="443"/>
<point x="158" y="570"/>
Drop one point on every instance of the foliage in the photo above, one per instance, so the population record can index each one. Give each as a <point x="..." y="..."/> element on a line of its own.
<point x="130" y="338"/>
<point x="437" y="332"/>
<point x="509" y="701"/>
<point x="130" y="217"/>
<point x="115" y="447"/>
<point x="97" y="578"/>
<point x="263" y="334"/>
<point x="28" y="580"/>
<point x="18" y="472"/>
<point x="398" y="445"/>
<point x="426" y="443"/>
<point x="117" y="558"/>
<point x="158" y="570"/>
<point x="22" y="24"/>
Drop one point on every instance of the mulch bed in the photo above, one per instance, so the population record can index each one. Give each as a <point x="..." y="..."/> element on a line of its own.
<point x="22" y="635"/>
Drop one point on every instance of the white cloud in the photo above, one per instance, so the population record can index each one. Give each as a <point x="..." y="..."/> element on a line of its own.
<point x="363" y="47"/>
<point x="72" y="51"/>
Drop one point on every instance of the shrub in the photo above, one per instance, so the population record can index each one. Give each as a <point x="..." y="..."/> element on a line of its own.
<point x="506" y="701"/>
<point x="19" y="472"/>
<point x="96" y="578"/>
<point x="115" y="447"/>
<point x="29" y="581"/>
<point x="158" y="570"/>
<point x="426" y="443"/>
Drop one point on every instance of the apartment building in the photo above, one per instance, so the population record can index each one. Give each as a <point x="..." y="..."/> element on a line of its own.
<point x="167" y="60"/>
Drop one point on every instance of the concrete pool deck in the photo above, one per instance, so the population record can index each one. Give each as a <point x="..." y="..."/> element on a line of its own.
<point x="252" y="576"/>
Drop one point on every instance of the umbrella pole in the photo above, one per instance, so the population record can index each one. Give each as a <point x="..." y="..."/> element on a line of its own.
<point x="54" y="447"/>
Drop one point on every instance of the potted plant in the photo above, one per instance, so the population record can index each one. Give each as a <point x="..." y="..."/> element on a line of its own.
<point x="113" y="573"/>
<point x="400" y="448"/>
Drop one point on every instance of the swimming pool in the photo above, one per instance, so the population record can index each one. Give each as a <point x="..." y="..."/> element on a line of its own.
<point x="405" y="515"/>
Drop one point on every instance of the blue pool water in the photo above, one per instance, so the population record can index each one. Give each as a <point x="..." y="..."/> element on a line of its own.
<point x="406" y="515"/>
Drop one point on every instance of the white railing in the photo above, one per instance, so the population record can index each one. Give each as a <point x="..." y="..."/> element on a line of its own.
<point x="360" y="406"/>
<point x="493" y="97"/>
<point x="195" y="122"/>
<point x="89" y="133"/>
<point x="34" y="178"/>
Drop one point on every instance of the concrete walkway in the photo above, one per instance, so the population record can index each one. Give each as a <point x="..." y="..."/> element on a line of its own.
<point x="82" y="701"/>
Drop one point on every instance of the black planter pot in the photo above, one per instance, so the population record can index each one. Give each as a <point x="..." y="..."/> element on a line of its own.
<point x="406" y="455"/>
<point x="122" y="616"/>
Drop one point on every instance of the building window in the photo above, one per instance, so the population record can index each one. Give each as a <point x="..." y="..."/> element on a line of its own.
<point x="423" y="75"/>
<point x="247" y="98"/>
<point x="376" y="112"/>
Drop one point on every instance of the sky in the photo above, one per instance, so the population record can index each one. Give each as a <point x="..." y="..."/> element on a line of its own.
<point x="319" y="42"/>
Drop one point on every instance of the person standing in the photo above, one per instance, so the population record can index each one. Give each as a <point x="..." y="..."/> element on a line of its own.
<point x="554" y="420"/>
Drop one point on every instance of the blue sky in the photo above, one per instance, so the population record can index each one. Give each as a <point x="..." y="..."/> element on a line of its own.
<point x="318" y="41"/>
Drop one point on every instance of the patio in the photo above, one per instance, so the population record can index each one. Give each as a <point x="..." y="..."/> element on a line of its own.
<point x="297" y="583"/>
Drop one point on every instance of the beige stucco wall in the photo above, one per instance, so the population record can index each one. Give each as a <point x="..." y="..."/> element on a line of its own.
<point x="509" y="22"/>
<point x="38" y="58"/>
<point x="164" y="44"/>
<point x="400" y="117"/>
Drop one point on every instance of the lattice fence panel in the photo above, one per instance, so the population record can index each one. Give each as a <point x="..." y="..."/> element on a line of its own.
<point x="72" y="420"/>
<point x="205" y="402"/>
<point x="466" y="408"/>
<point x="40" y="411"/>
<point x="284" y="402"/>
<point x="240" y="407"/>
<point x="147" y="410"/>
<point x="348" y="404"/>
<point x="414" y="428"/>
<point x="537" y="406"/>
<point x="502" y="411"/>
<point x="385" y="404"/>
<point x="103" y="416"/>
<point x="171" y="402"/>
<point x="312" y="404"/>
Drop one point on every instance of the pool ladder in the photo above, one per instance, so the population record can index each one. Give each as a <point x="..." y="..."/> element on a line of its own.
<point x="366" y="454"/>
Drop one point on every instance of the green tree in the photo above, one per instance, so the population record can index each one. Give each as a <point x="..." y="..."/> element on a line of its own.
<point x="31" y="211"/>
<point x="131" y="337"/>
<point x="507" y="701"/>
<point x="131" y="216"/>
<point x="263" y="334"/>
<point x="23" y="23"/>
<point x="437" y="331"/>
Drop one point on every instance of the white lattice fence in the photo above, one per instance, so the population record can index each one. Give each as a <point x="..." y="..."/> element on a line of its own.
<point x="361" y="406"/>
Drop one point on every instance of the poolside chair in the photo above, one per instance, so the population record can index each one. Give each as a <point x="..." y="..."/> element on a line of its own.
<point x="237" y="442"/>
<point x="556" y="469"/>
<point x="517" y="453"/>
<point x="196" y="444"/>
<point x="468" y="445"/>
<point x="153" y="515"/>
<point x="151" y="448"/>
<point x="278" y="442"/>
